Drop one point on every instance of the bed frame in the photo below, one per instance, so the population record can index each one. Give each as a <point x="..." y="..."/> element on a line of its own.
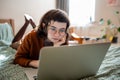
<point x="9" y="21"/>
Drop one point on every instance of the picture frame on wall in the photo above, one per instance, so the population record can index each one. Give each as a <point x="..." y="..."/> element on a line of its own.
<point x="113" y="3"/>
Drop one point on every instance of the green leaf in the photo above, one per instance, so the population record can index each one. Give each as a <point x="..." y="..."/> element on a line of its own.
<point x="118" y="29"/>
<point x="109" y="22"/>
<point x="117" y="12"/>
<point x="101" y="21"/>
<point x="104" y="36"/>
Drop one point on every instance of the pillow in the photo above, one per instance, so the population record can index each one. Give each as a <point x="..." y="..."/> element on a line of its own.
<point x="6" y="34"/>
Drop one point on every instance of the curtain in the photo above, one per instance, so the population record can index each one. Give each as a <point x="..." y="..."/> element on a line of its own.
<point x="63" y="5"/>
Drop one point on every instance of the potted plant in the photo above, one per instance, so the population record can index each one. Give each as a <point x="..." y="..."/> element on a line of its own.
<point x="111" y="31"/>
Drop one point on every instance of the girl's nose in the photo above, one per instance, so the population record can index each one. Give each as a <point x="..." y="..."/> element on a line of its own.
<point x="57" y="33"/>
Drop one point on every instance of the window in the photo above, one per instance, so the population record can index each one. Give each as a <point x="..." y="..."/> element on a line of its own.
<point x="81" y="12"/>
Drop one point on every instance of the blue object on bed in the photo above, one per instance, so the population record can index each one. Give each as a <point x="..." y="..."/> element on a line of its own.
<point x="6" y="34"/>
<point x="8" y="70"/>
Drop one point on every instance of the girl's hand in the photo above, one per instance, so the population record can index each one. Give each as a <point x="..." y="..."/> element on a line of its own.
<point x="34" y="63"/>
<point x="61" y="41"/>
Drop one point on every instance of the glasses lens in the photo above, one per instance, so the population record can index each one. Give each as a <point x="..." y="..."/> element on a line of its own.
<point x="62" y="31"/>
<point x="54" y="30"/>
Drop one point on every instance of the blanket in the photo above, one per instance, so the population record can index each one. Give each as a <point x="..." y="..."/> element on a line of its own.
<point x="8" y="70"/>
<point x="110" y="67"/>
<point x="6" y="34"/>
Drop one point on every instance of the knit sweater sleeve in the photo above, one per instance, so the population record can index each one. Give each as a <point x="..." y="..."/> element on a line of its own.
<point x="24" y="52"/>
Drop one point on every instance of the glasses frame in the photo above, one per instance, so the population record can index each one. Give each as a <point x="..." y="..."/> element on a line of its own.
<point x="54" y="30"/>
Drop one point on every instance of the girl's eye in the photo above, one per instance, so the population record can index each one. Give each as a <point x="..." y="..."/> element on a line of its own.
<point x="62" y="30"/>
<point x="53" y="29"/>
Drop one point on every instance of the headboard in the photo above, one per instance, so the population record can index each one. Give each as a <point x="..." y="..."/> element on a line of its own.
<point x="9" y="21"/>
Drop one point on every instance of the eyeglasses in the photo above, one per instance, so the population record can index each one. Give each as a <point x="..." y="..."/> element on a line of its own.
<point x="54" y="30"/>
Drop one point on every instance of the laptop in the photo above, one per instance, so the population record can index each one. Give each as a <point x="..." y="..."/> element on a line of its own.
<point x="71" y="62"/>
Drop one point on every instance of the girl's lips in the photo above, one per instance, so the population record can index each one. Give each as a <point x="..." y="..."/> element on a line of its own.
<point x="55" y="38"/>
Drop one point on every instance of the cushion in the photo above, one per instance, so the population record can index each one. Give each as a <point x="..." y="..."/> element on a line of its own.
<point x="6" y="34"/>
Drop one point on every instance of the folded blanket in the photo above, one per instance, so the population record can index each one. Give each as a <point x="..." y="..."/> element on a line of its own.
<point x="6" y="34"/>
<point x="8" y="70"/>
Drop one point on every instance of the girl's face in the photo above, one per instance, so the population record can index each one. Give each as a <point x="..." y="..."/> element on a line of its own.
<point x="56" y="31"/>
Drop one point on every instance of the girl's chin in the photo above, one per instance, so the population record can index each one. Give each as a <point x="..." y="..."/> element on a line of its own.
<point x="55" y="41"/>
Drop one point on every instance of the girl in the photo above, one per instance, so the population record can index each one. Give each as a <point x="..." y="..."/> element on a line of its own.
<point x="52" y="31"/>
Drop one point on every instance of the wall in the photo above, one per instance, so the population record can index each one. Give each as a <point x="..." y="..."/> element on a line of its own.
<point x="15" y="9"/>
<point x="36" y="8"/>
<point x="103" y="10"/>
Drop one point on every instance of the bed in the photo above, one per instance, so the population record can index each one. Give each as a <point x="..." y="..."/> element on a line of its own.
<point x="109" y="69"/>
<point x="8" y="71"/>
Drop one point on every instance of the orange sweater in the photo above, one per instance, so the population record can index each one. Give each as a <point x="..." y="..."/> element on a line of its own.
<point x="29" y="49"/>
